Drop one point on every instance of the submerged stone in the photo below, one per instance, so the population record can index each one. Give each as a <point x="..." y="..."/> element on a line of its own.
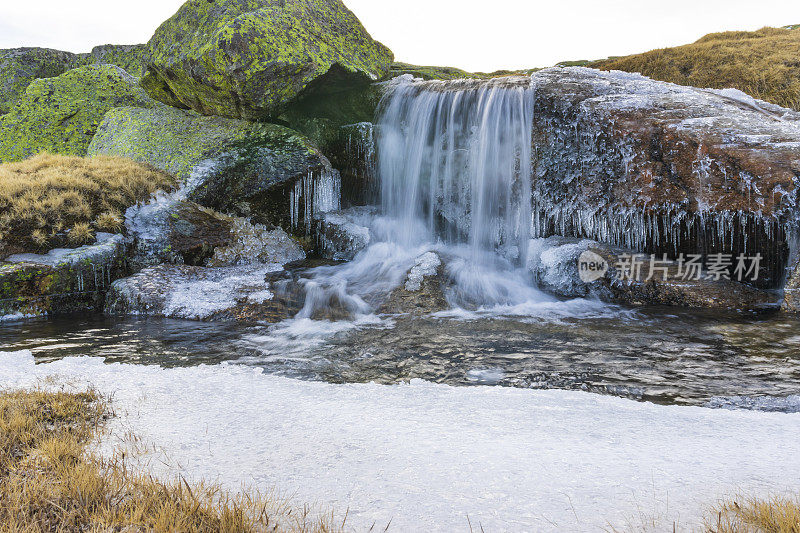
<point x="233" y="166"/>
<point x="60" y="115"/>
<point x="249" y="58"/>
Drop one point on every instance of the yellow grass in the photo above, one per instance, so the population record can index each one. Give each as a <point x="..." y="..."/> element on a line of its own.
<point x="52" y="200"/>
<point x="753" y="515"/>
<point x="765" y="64"/>
<point x="48" y="482"/>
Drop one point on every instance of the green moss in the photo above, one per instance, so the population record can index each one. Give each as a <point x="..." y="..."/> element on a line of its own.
<point x="248" y="58"/>
<point x="60" y="115"/>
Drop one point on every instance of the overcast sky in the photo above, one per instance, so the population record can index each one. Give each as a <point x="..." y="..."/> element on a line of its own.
<point x="475" y="35"/>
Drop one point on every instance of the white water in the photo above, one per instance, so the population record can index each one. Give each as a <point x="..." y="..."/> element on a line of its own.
<point x="454" y="165"/>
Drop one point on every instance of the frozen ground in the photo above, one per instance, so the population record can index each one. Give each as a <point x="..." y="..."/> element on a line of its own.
<point x="427" y="456"/>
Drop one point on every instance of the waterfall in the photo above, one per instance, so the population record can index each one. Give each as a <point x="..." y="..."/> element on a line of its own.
<point x="453" y="164"/>
<point x="456" y="156"/>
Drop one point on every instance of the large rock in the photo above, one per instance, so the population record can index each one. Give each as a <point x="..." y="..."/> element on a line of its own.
<point x="198" y="293"/>
<point x="555" y="262"/>
<point x="342" y="234"/>
<point x="61" y="115"/>
<point x="61" y="281"/>
<point x="248" y="58"/>
<point x="265" y="172"/>
<point x="173" y="230"/>
<point x="20" y="66"/>
<point x="662" y="168"/>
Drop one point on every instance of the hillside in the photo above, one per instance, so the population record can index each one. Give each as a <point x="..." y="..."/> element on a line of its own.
<point x="763" y="63"/>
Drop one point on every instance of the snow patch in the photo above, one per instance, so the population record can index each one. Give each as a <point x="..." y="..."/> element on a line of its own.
<point x="426" y="456"/>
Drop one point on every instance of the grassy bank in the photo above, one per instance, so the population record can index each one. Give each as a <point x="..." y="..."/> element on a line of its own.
<point x="764" y="64"/>
<point x="48" y="481"/>
<point x="49" y="201"/>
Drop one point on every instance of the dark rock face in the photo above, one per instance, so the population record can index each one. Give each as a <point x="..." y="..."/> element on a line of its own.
<point x="63" y="281"/>
<point x="661" y="168"/>
<point x="248" y="59"/>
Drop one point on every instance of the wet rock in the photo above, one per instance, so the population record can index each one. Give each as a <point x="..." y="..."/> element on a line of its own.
<point x="264" y="172"/>
<point x="199" y="293"/>
<point x="342" y="234"/>
<point x="175" y="231"/>
<point x="248" y="59"/>
<point x="63" y="280"/>
<point x="791" y="291"/>
<point x="662" y="168"/>
<point x="422" y="292"/>
<point x="60" y="115"/>
<point x="555" y="263"/>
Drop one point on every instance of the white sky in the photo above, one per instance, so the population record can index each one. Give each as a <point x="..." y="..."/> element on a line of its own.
<point x="474" y="35"/>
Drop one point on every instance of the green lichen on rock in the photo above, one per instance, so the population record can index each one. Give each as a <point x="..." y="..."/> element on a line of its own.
<point x="60" y="115"/>
<point x="248" y="58"/>
<point x="430" y="73"/>
<point x="129" y="57"/>
<point x="173" y="140"/>
<point x="231" y="165"/>
<point x="20" y="66"/>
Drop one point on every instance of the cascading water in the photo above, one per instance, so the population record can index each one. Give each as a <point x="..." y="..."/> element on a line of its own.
<point x="454" y="166"/>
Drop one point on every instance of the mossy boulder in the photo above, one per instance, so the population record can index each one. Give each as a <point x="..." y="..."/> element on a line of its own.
<point x="20" y="66"/>
<point x="129" y="57"/>
<point x="60" y="115"/>
<point x="243" y="168"/>
<point x="249" y="58"/>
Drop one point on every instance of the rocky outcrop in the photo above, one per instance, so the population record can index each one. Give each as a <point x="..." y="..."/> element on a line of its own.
<point x="662" y="168"/>
<point x="62" y="281"/>
<point x="264" y="172"/>
<point x="61" y="115"/>
<point x="248" y="59"/>
<point x="20" y="66"/>
<point x="556" y="263"/>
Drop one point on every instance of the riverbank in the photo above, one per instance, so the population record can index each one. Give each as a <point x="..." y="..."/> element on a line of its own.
<point x="434" y="457"/>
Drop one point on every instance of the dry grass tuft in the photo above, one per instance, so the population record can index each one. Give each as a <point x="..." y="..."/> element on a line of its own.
<point x="753" y="515"/>
<point x="52" y="200"/>
<point x="764" y="64"/>
<point x="48" y="482"/>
